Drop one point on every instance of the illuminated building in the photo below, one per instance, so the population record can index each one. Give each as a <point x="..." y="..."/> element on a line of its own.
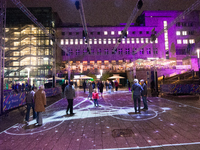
<point x="171" y="46"/>
<point x="27" y="47"/>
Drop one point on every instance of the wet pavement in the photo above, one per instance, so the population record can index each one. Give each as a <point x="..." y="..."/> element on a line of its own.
<point x="168" y="124"/>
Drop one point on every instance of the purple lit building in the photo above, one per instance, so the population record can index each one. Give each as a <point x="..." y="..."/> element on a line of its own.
<point x="174" y="49"/>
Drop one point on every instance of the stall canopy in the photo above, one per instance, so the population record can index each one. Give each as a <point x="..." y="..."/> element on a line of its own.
<point x="85" y="78"/>
<point x="116" y="77"/>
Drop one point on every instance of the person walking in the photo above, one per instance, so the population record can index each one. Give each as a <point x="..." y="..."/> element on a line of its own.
<point x="101" y="88"/>
<point x="144" y="94"/>
<point x="137" y="88"/>
<point x="40" y="103"/>
<point x="70" y="95"/>
<point x="30" y="103"/>
<point x="106" y="84"/>
<point x="129" y="86"/>
<point x="95" y="97"/>
<point x="93" y="85"/>
<point x="90" y="90"/>
<point x="110" y="87"/>
<point x="84" y="85"/>
<point x="116" y="85"/>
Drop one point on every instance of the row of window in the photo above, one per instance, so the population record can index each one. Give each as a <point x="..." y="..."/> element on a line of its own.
<point x="185" y="41"/>
<point x="184" y="32"/>
<point x="184" y="24"/>
<point x="120" y="51"/>
<point x="106" y="41"/>
<point x="107" y="32"/>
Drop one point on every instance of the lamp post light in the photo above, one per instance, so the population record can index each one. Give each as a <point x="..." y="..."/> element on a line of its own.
<point x="198" y="50"/>
<point x="28" y="69"/>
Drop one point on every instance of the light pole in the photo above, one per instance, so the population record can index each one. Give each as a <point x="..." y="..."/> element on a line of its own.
<point x="198" y="50"/>
<point x="28" y="69"/>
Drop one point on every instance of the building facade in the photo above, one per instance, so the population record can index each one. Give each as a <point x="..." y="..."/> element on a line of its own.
<point x="28" y="51"/>
<point x="169" y="49"/>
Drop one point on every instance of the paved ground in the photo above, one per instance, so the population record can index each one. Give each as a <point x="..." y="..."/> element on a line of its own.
<point x="168" y="125"/>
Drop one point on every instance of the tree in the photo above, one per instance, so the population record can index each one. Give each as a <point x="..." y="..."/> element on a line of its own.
<point x="93" y="76"/>
<point x="106" y="75"/>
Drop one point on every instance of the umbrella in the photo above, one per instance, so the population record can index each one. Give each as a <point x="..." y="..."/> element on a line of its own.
<point x="115" y="77"/>
<point x="85" y="78"/>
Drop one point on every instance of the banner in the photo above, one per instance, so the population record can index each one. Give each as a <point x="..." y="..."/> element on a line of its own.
<point x="16" y="100"/>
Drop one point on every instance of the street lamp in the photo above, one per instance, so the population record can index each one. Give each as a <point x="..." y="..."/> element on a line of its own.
<point x="198" y="50"/>
<point x="28" y="69"/>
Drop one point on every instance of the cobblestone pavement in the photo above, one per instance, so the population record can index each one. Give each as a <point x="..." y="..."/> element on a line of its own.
<point x="167" y="125"/>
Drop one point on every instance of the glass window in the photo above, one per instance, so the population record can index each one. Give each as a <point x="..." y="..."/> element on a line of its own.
<point x="191" y="41"/>
<point x="119" y="32"/>
<point x="156" y="41"/>
<point x="132" y="40"/>
<point x="146" y="40"/>
<point x="90" y="41"/>
<point x="137" y="40"/>
<point x="105" y="32"/>
<point x="123" y="41"/>
<point x="185" y="41"/>
<point x="112" y="32"/>
<point x="114" y="41"/>
<point x="71" y="41"/>
<point x="100" y="41"/>
<point x="61" y="42"/>
<point x="95" y="41"/>
<point x="66" y="41"/>
<point x="142" y="40"/>
<point x="104" y="41"/>
<point x="178" y="33"/>
<point x="76" y="41"/>
<point x="81" y="41"/>
<point x="184" y="32"/>
<point x="109" y="41"/>
<point x="179" y="41"/>
<point x="128" y="40"/>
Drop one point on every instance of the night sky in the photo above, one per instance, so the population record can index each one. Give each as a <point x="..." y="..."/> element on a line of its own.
<point x="104" y="12"/>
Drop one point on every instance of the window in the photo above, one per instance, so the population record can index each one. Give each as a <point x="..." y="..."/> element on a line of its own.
<point x="119" y="32"/>
<point x="123" y="41"/>
<point x="156" y="41"/>
<point x="128" y="40"/>
<point x="90" y="41"/>
<point x="70" y="33"/>
<point x="95" y="41"/>
<point x="99" y="52"/>
<point x="179" y="41"/>
<point x="178" y="33"/>
<point x="178" y="24"/>
<point x="92" y="51"/>
<point x="70" y="52"/>
<point x="147" y="32"/>
<point x="81" y="41"/>
<point x="109" y="41"/>
<point x="61" y="42"/>
<point x="84" y="51"/>
<point x="146" y="40"/>
<point x="76" y="41"/>
<point x="120" y="51"/>
<point x="140" y="32"/>
<point x="91" y="33"/>
<point x="191" y="41"/>
<point x="142" y="51"/>
<point x="100" y="42"/>
<point x="185" y="41"/>
<point x="148" y="50"/>
<point x="132" y="40"/>
<point x="106" y="51"/>
<point x="137" y="40"/>
<point x="63" y="53"/>
<point x="63" y="33"/>
<point x="112" y="32"/>
<point x="114" y="41"/>
<point x="77" y="52"/>
<point x="133" y="32"/>
<point x="105" y="32"/>
<point x="155" y="51"/>
<point x="71" y="42"/>
<point x="191" y="32"/>
<point x="66" y="41"/>
<point x="184" y="32"/>
<point x="127" y="51"/>
<point x="104" y="41"/>
<point x="98" y="33"/>
<point x="142" y="40"/>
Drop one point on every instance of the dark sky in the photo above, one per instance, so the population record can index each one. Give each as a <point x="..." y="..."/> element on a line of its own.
<point x="104" y="12"/>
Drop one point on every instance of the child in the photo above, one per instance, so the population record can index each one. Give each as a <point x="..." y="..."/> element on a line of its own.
<point x="95" y="97"/>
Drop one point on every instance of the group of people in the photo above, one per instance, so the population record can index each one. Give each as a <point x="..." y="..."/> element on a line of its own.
<point x="35" y="99"/>
<point x="18" y="88"/>
<point x="138" y="91"/>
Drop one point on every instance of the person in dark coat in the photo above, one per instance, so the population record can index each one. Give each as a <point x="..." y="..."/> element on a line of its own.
<point x="129" y="86"/>
<point x="137" y="88"/>
<point x="93" y="85"/>
<point x="84" y="86"/>
<point x="144" y="94"/>
<point x="101" y="88"/>
<point x="116" y="85"/>
<point x="70" y="95"/>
